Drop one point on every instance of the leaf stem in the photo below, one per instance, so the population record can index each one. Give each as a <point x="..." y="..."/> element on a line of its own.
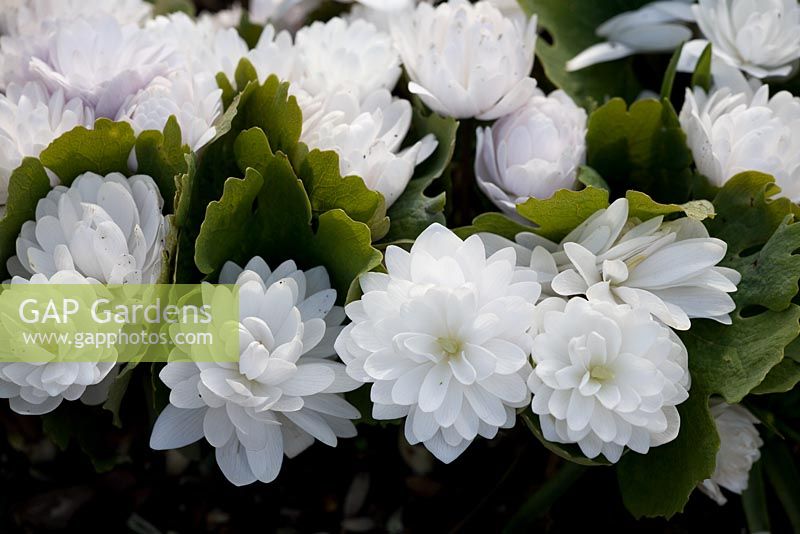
<point x="754" y="501"/>
<point x="541" y="501"/>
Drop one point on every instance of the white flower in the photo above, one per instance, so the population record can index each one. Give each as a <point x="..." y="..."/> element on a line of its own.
<point x="668" y="269"/>
<point x="96" y="59"/>
<point x="383" y="5"/>
<point x="275" y="54"/>
<point x="730" y="133"/>
<point x="31" y="18"/>
<point x="30" y="118"/>
<point x="367" y="137"/>
<point x="606" y="377"/>
<point x="280" y="11"/>
<point x="222" y="19"/>
<point x="201" y="46"/>
<point x="40" y="387"/>
<point x="195" y="101"/>
<point x="533" y="152"/>
<point x="739" y="445"/>
<point x="341" y="53"/>
<point x="107" y="228"/>
<point x="510" y="9"/>
<point x="761" y="38"/>
<point x="380" y="13"/>
<point x="443" y="338"/>
<point x="284" y="391"/>
<point x="656" y="27"/>
<point x="467" y="60"/>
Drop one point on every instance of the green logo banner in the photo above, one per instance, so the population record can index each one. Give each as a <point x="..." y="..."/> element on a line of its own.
<point x="121" y="323"/>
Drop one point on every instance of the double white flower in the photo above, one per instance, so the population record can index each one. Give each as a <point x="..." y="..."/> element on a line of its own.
<point x="107" y="228"/>
<point x="532" y="152"/>
<point x="30" y="118"/>
<point x="98" y="60"/>
<point x="467" y="60"/>
<point x="367" y="135"/>
<point x="443" y="338"/>
<point x="282" y="394"/>
<point x="732" y="132"/>
<point x="36" y="388"/>
<point x="760" y="38"/>
<point x="656" y="27"/>
<point x="342" y="73"/>
<point x="666" y="268"/>
<point x="606" y="377"/>
<point x="739" y="445"/>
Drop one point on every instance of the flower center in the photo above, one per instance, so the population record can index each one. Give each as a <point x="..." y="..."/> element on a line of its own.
<point x="451" y="347"/>
<point x="634" y="261"/>
<point x="601" y="373"/>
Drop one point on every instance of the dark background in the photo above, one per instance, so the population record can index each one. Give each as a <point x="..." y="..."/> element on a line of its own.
<point x="373" y="483"/>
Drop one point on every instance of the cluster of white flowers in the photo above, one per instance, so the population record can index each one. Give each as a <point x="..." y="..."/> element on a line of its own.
<point x="457" y="335"/>
<point x="760" y="38"/>
<point x="65" y="63"/>
<point x="342" y="73"/>
<point x="736" y="126"/>
<point x="448" y="333"/>
<point x="99" y="230"/>
<point x="285" y="390"/>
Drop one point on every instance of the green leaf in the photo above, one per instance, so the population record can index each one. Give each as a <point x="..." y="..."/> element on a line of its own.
<point x="252" y="151"/>
<point x="571" y="26"/>
<point x="26" y="186"/>
<point x="732" y="360"/>
<point x="116" y="392"/>
<point x="702" y="72"/>
<point x="249" y="31"/>
<point x="328" y="190"/>
<point x="642" y="148"/>
<point x="780" y="379"/>
<point x="165" y="7"/>
<point x="567" y="452"/>
<point x="761" y="239"/>
<point x="414" y="211"/>
<point x="162" y="155"/>
<point x="590" y="177"/>
<point x="270" y="108"/>
<point x="271" y="216"/>
<point x="561" y="213"/>
<point x="660" y="482"/>
<point x="643" y="207"/>
<point x="493" y="223"/>
<point x="669" y="76"/>
<point x="102" y="150"/>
